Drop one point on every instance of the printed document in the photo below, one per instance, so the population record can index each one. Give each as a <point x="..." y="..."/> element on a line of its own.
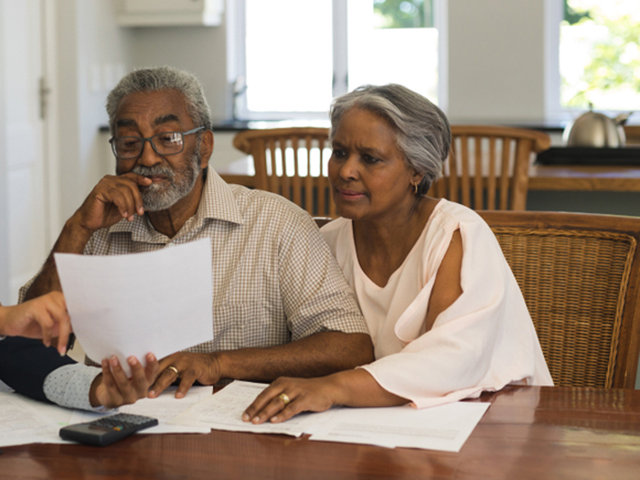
<point x="444" y="427"/>
<point x="164" y="407"/>
<point x="223" y="411"/>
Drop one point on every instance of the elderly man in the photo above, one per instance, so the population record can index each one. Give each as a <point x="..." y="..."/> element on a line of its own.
<point x="281" y="305"/>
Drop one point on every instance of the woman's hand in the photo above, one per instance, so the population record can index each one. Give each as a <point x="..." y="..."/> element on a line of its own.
<point x="188" y="367"/>
<point x="112" y="388"/>
<point x="287" y="397"/>
<point x="44" y="317"/>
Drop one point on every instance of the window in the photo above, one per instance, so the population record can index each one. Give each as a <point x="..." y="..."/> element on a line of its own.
<point x="294" y="56"/>
<point x="600" y="54"/>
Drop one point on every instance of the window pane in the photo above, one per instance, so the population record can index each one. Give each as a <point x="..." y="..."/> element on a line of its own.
<point x="600" y="55"/>
<point x="379" y="54"/>
<point x="403" y="13"/>
<point x="288" y="55"/>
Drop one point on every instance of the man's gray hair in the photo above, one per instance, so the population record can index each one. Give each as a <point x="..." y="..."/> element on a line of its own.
<point x="162" y="78"/>
<point x="422" y="130"/>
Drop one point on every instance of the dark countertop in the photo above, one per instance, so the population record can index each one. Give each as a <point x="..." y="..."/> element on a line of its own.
<point x="238" y="125"/>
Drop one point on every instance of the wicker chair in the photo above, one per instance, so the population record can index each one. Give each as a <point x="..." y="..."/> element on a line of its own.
<point x="492" y="163"/>
<point x="580" y="276"/>
<point x="292" y="162"/>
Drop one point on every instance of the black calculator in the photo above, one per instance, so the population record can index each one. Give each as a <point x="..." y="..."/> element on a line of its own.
<point x="107" y="430"/>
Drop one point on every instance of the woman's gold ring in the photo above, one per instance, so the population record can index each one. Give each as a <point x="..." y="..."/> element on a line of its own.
<point x="285" y="399"/>
<point x="174" y="369"/>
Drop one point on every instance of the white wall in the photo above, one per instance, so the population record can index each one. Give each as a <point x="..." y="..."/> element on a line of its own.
<point x="92" y="53"/>
<point x="199" y="50"/>
<point x="4" y="213"/>
<point x="496" y="60"/>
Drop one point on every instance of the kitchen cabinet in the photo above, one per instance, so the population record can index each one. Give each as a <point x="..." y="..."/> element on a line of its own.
<point x="157" y="13"/>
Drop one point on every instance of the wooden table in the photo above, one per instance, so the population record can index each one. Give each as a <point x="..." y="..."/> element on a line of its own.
<point x="541" y="177"/>
<point x="527" y="433"/>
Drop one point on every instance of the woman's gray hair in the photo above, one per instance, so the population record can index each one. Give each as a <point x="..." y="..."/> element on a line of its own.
<point x="162" y="78"/>
<point x="422" y="130"/>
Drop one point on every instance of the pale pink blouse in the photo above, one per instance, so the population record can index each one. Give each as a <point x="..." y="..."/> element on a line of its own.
<point x="483" y="341"/>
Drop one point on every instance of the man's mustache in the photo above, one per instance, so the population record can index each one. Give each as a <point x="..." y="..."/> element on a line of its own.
<point x="156" y="170"/>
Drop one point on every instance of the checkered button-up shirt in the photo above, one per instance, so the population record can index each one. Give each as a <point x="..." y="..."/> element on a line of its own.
<point x="274" y="278"/>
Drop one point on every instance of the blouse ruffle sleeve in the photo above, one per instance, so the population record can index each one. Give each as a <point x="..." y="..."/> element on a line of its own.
<point x="483" y="341"/>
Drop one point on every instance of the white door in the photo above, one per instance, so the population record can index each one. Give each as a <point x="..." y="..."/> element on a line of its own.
<point x="22" y="177"/>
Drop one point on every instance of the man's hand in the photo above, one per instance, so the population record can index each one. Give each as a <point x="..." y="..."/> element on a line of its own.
<point x="44" y="317"/>
<point x="111" y="200"/>
<point x="112" y="388"/>
<point x="204" y="367"/>
<point x="287" y="397"/>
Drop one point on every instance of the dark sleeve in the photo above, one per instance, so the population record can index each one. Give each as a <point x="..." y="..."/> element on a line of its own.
<point x="25" y="363"/>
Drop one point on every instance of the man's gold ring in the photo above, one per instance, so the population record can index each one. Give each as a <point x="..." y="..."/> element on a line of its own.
<point x="174" y="369"/>
<point x="285" y="399"/>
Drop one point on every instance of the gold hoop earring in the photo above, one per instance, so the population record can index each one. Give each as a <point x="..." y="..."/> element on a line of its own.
<point x="415" y="189"/>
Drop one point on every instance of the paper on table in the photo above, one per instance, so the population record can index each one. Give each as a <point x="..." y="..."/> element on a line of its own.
<point x="223" y="411"/>
<point x="157" y="302"/>
<point x="24" y="421"/>
<point x="4" y="388"/>
<point x="444" y="427"/>
<point x="164" y="407"/>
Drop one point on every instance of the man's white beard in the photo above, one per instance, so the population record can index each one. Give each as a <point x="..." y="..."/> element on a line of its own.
<point x="157" y="196"/>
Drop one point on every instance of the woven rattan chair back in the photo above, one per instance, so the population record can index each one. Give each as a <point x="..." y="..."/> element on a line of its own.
<point x="580" y="277"/>
<point x="292" y="162"/>
<point x="488" y="167"/>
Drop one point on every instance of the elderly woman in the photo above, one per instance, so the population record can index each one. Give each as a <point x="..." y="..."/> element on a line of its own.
<point x="447" y="318"/>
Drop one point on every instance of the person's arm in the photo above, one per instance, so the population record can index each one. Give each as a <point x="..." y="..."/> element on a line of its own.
<point x="44" y="317"/>
<point x="316" y="355"/>
<point x="25" y="364"/>
<point x="351" y="388"/>
<point x="112" y="199"/>
<point x="39" y="372"/>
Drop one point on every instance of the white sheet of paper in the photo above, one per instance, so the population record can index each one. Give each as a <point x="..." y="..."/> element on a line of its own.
<point x="444" y="427"/>
<point x="223" y="411"/>
<point x="165" y="407"/>
<point x="24" y="421"/>
<point x="4" y="388"/>
<point x="124" y="305"/>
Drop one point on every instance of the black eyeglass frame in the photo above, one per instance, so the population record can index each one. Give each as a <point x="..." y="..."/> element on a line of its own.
<point x="149" y="139"/>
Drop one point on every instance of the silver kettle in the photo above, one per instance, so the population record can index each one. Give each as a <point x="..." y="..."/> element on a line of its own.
<point x="593" y="129"/>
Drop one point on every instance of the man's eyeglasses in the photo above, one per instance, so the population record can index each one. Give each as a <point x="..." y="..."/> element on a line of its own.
<point x="166" y="143"/>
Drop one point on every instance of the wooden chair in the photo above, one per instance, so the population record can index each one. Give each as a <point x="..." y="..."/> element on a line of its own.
<point x="580" y="276"/>
<point x="293" y="163"/>
<point x="492" y="163"/>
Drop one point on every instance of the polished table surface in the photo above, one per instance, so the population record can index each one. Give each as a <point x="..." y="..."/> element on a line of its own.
<point x="541" y="177"/>
<point x="527" y="433"/>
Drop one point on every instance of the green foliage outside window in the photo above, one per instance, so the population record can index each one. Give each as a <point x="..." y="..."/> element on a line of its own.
<point x="571" y="16"/>
<point x="404" y="13"/>
<point x="615" y="59"/>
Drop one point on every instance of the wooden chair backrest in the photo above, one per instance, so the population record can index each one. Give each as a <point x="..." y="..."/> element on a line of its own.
<point x="488" y="166"/>
<point x="292" y="162"/>
<point x="580" y="277"/>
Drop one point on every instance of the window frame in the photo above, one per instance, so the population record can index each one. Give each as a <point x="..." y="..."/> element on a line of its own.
<point x="236" y="61"/>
